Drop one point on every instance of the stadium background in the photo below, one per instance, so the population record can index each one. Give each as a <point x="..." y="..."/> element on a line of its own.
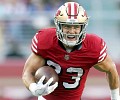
<point x="20" y="20"/>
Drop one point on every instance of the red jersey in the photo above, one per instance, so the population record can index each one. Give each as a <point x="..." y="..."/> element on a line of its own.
<point x="72" y="67"/>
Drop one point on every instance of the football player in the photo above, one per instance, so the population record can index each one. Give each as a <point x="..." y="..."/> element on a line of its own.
<point x="72" y="52"/>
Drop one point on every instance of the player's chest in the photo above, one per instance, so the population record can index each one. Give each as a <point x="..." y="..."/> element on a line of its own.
<point x="77" y="58"/>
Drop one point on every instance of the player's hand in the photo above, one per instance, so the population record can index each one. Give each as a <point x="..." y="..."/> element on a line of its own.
<point x="40" y="89"/>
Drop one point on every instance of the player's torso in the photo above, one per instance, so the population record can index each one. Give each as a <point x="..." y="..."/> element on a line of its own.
<point x="72" y="67"/>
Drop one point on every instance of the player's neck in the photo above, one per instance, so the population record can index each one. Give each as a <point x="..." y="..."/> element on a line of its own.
<point x="68" y="49"/>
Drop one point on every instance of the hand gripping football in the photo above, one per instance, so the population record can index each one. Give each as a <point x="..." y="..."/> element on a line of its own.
<point x="48" y="72"/>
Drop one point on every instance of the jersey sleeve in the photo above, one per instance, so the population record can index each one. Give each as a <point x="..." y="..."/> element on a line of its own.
<point x="34" y="44"/>
<point x="43" y="40"/>
<point x="103" y="51"/>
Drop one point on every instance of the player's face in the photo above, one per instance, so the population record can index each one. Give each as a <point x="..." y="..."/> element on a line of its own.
<point x="71" y="31"/>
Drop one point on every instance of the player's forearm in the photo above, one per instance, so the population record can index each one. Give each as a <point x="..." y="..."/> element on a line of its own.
<point x="27" y="80"/>
<point x="113" y="79"/>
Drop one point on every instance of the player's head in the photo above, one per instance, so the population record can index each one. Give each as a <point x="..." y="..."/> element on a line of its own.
<point x="71" y="16"/>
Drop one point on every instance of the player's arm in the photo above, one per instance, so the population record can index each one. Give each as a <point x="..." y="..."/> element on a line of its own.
<point x="108" y="66"/>
<point x="37" y="89"/>
<point x="32" y="64"/>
